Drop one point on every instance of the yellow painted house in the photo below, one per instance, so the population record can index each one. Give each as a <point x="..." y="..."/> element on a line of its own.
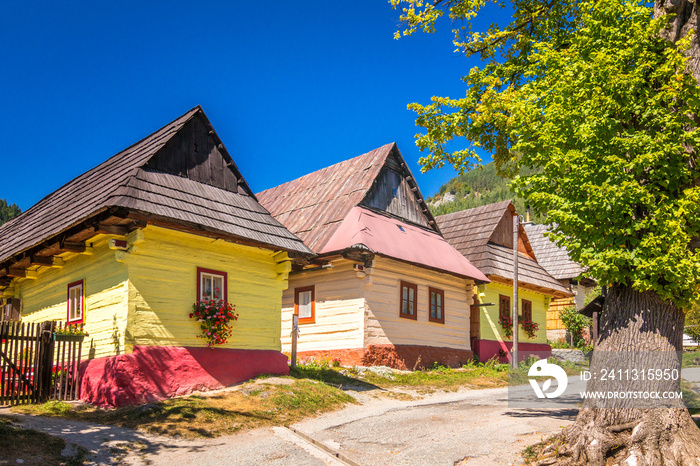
<point x="556" y="261"/>
<point x="485" y="236"/>
<point x="385" y="287"/>
<point x="127" y="248"/>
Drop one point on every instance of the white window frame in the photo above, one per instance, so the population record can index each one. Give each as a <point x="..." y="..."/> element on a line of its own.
<point x="213" y="275"/>
<point x="76" y="299"/>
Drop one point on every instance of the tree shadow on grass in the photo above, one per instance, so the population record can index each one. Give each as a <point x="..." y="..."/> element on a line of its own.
<point x="333" y="378"/>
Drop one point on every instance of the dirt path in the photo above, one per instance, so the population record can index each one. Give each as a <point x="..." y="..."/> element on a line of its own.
<point x="439" y="429"/>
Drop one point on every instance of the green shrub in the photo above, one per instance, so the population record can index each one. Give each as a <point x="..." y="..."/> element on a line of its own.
<point x="575" y="323"/>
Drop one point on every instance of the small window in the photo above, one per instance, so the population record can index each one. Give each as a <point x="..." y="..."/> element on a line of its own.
<point x="305" y="304"/>
<point x="527" y="310"/>
<point x="409" y="293"/>
<point x="211" y="285"/>
<point x="437" y="305"/>
<point x="76" y="303"/>
<point x="503" y="306"/>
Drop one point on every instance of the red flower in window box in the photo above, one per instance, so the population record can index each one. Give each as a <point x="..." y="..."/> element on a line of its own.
<point x="530" y="328"/>
<point x="215" y="320"/>
<point x="507" y="324"/>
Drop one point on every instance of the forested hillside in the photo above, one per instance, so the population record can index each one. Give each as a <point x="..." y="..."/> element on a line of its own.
<point x="478" y="187"/>
<point x="7" y="211"/>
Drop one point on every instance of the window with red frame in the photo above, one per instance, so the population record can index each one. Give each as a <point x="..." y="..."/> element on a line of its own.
<point x="211" y="285"/>
<point x="76" y="302"/>
<point x="527" y="310"/>
<point x="503" y="306"/>
<point x="305" y="304"/>
<point x="409" y="295"/>
<point x="437" y="305"/>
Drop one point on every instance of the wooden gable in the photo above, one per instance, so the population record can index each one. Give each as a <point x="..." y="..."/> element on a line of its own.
<point x="503" y="233"/>
<point x="395" y="192"/>
<point x="196" y="153"/>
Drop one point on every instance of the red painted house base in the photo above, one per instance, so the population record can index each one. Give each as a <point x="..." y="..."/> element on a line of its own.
<point x="347" y="357"/>
<point x="397" y="356"/>
<point x="153" y="373"/>
<point x="487" y="349"/>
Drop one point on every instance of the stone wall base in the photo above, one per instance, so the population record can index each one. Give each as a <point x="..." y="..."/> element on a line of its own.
<point x="404" y="357"/>
<point x="152" y="373"/>
<point x="556" y="334"/>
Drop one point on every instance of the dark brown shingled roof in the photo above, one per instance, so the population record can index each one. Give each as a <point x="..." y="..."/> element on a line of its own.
<point x="125" y="181"/>
<point x="471" y="232"/>
<point x="313" y="206"/>
<point x="554" y="259"/>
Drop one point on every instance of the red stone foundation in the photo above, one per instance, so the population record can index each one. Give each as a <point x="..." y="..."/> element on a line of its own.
<point x="414" y="356"/>
<point x="153" y="373"/>
<point x="487" y="349"/>
<point x="347" y="357"/>
<point x="397" y="356"/>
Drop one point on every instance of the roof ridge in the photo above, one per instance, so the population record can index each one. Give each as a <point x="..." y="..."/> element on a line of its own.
<point x="86" y="175"/>
<point x="485" y="207"/>
<point x="386" y="153"/>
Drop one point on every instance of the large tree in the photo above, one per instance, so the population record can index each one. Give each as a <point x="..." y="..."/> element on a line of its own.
<point x="601" y="98"/>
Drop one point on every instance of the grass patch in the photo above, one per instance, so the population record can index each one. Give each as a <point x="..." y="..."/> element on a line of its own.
<point x="255" y="404"/>
<point x="690" y="398"/>
<point x="691" y="359"/>
<point x="334" y="376"/>
<point x="30" y="446"/>
<point x="474" y="375"/>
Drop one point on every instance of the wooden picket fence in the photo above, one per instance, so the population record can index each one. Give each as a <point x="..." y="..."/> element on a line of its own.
<point x="38" y="363"/>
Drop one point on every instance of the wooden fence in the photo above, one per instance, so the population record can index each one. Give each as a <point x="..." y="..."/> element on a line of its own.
<point x="38" y="361"/>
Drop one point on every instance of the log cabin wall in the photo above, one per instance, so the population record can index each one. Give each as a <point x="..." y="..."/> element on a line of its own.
<point x="106" y="293"/>
<point x="354" y="310"/>
<point x="339" y="308"/>
<point x="555" y="327"/>
<point x="492" y="330"/>
<point x="383" y="324"/>
<point x="163" y="288"/>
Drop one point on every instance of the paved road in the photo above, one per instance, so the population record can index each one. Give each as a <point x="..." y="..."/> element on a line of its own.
<point x="436" y="430"/>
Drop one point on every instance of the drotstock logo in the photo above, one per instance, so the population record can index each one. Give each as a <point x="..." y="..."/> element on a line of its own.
<point x="544" y="369"/>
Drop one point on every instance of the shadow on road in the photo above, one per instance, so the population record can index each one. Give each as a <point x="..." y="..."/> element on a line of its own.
<point x="563" y="413"/>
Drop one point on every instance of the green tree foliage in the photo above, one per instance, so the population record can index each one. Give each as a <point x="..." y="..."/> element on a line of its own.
<point x="590" y="95"/>
<point x="7" y="211"/>
<point x="692" y="322"/>
<point x="575" y="323"/>
<point x="593" y="97"/>
<point x="481" y="186"/>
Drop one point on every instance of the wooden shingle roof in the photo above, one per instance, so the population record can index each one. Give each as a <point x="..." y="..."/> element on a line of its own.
<point x="370" y="200"/>
<point x="553" y="258"/>
<point x="158" y="177"/>
<point x="484" y="235"/>
<point x="313" y="206"/>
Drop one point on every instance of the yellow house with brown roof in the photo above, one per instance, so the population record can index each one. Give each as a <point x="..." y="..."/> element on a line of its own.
<point x="128" y="247"/>
<point x="485" y="236"/>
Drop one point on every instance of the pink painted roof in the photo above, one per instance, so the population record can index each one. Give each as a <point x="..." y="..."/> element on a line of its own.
<point x="400" y="240"/>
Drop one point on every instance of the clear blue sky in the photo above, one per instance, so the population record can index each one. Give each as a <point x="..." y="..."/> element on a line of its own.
<point x="290" y="87"/>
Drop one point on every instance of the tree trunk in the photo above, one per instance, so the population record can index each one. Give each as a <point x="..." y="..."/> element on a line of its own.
<point x="640" y="332"/>
<point x="684" y="19"/>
